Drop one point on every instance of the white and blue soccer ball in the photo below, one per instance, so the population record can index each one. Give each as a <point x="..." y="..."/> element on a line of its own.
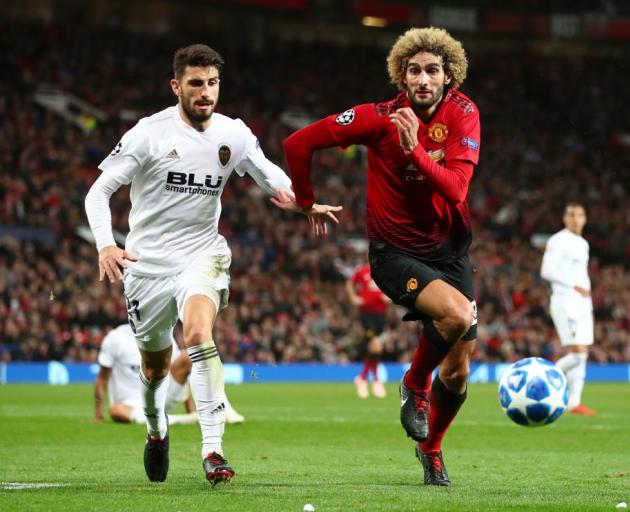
<point x="533" y="392"/>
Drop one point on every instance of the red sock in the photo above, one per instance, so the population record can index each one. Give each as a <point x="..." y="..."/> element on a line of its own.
<point x="426" y="358"/>
<point x="443" y="409"/>
<point x="366" y="369"/>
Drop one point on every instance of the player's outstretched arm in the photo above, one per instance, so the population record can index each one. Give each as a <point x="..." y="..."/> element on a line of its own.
<point x="99" y="392"/>
<point x="317" y="214"/>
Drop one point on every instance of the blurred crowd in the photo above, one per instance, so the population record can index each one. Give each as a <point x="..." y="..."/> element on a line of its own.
<point x="550" y="127"/>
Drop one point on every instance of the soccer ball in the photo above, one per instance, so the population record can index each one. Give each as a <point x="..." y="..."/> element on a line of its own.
<point x="533" y="392"/>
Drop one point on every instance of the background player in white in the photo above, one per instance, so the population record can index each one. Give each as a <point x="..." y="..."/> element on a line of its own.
<point x="119" y="361"/>
<point x="565" y="266"/>
<point x="176" y="263"/>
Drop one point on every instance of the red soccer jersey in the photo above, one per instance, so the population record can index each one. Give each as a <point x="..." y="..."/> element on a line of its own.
<point x="374" y="300"/>
<point x="416" y="203"/>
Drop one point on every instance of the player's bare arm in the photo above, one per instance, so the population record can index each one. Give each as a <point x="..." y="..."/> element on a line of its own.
<point x="355" y="299"/>
<point x="112" y="261"/>
<point x="99" y="392"/>
<point x="317" y="214"/>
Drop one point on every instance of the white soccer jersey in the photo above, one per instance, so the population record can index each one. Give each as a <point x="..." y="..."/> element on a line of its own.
<point x="119" y="352"/>
<point x="565" y="265"/>
<point x="177" y="175"/>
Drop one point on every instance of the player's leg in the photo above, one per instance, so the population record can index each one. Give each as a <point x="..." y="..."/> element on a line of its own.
<point x="450" y="315"/>
<point x="375" y="353"/>
<point x="575" y="380"/>
<point x="576" y="334"/>
<point x="154" y="386"/>
<point x="178" y="388"/>
<point x="232" y="417"/>
<point x="124" y="413"/>
<point x="202" y="292"/>
<point x="152" y="314"/>
<point x="361" y="380"/>
<point x="448" y="393"/>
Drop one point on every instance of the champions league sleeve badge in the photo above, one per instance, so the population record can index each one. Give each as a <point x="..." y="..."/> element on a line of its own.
<point x="117" y="149"/>
<point x="345" y="118"/>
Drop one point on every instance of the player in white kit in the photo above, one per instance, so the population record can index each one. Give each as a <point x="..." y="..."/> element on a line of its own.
<point x="175" y="263"/>
<point x="119" y="361"/>
<point x="565" y="266"/>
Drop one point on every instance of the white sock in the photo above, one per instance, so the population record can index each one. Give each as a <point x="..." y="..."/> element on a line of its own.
<point x="154" y="400"/>
<point x="206" y="381"/>
<point x="569" y="361"/>
<point x="576" y="377"/>
<point x="176" y="393"/>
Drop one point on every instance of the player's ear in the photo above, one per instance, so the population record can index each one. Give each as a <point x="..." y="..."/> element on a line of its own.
<point x="175" y="87"/>
<point x="448" y="78"/>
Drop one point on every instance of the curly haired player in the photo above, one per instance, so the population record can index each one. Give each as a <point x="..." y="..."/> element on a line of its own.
<point x="422" y="149"/>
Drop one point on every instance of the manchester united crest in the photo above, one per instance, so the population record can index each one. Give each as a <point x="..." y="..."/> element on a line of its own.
<point x="438" y="132"/>
<point x="224" y="155"/>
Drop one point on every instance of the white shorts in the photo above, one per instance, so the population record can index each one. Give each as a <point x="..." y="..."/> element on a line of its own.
<point x="155" y="303"/>
<point x="574" y="324"/>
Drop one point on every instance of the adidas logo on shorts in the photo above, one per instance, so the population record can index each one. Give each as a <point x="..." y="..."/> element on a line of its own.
<point x="172" y="154"/>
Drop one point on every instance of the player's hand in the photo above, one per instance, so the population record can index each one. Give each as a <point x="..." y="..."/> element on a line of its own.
<point x="111" y="261"/>
<point x="317" y="214"/>
<point x="356" y="301"/>
<point x="97" y="419"/>
<point x="407" y="124"/>
<point x="582" y="291"/>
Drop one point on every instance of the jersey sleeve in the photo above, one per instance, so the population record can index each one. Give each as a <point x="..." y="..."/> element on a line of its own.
<point x="465" y="141"/>
<point x="358" y="125"/>
<point x="128" y="156"/>
<point x="106" y="356"/>
<point x="267" y="175"/>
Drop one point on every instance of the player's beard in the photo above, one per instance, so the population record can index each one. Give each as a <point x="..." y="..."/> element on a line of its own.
<point x="429" y="102"/>
<point x="196" y="117"/>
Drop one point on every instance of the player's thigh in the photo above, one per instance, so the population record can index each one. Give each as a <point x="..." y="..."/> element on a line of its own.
<point x="152" y="310"/>
<point x="452" y="295"/>
<point x="202" y="291"/>
<point x="573" y="324"/>
<point x="399" y="276"/>
<point x="440" y="300"/>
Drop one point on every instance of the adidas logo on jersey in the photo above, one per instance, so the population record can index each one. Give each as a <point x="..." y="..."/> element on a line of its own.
<point x="172" y="154"/>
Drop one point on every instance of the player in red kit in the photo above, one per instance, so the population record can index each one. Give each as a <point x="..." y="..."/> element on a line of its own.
<point x="422" y="148"/>
<point x="372" y="302"/>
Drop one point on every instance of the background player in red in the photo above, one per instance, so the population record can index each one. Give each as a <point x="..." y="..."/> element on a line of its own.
<point x="422" y="149"/>
<point x="372" y="303"/>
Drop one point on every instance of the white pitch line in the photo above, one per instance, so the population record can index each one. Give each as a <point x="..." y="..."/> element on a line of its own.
<point x="12" y="486"/>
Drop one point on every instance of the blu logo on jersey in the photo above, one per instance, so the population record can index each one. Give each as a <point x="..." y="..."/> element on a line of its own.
<point x="182" y="178"/>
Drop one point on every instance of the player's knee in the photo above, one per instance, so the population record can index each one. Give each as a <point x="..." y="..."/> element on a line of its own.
<point x="118" y="413"/>
<point x="458" y="320"/>
<point x="153" y="374"/>
<point x="196" y="333"/>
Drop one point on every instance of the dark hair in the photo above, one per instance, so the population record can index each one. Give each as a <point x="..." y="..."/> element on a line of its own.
<point x="198" y="56"/>
<point x="574" y="204"/>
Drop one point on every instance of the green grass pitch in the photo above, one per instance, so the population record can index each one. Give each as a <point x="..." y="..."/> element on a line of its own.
<point x="319" y="444"/>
